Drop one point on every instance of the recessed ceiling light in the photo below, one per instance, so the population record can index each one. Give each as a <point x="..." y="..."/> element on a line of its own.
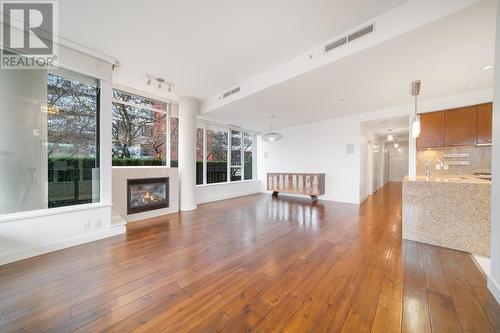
<point x="485" y="68"/>
<point x="471" y="86"/>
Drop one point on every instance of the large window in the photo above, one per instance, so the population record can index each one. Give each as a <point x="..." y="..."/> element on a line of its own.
<point x="223" y="154"/>
<point x="49" y="142"/>
<point x="199" y="155"/>
<point x="248" y="149"/>
<point x="174" y="137"/>
<point x="216" y="156"/>
<point x="72" y="140"/>
<point x="235" y="156"/>
<point x="139" y="130"/>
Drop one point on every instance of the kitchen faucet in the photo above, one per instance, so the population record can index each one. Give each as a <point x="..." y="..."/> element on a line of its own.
<point x="427" y="164"/>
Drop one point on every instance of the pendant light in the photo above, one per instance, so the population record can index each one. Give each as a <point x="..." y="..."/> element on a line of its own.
<point x="415" y="91"/>
<point x="271" y="136"/>
<point x="390" y="136"/>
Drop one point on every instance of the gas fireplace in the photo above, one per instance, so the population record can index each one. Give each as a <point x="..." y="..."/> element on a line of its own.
<point x="147" y="194"/>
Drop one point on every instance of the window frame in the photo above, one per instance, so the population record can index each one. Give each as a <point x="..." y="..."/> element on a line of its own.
<point x="104" y="90"/>
<point x="208" y="125"/>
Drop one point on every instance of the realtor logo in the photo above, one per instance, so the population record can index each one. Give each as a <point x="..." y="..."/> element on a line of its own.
<point x="29" y="34"/>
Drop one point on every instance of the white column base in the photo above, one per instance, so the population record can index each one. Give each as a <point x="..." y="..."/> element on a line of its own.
<point x="494" y="288"/>
<point x="188" y="208"/>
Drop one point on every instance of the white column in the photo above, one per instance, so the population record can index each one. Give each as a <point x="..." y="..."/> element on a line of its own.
<point x="188" y="109"/>
<point x="494" y="278"/>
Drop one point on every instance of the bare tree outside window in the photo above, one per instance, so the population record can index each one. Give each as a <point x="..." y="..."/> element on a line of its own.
<point x="216" y="150"/>
<point x="72" y="145"/>
<point x="138" y="130"/>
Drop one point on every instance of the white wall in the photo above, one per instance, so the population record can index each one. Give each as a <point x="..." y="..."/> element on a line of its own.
<point x="27" y="237"/>
<point x="398" y="164"/>
<point x="494" y="278"/>
<point x="385" y="165"/>
<point x="318" y="148"/>
<point x="221" y="191"/>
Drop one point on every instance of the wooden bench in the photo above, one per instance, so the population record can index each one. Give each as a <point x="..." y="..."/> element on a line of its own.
<point x="312" y="184"/>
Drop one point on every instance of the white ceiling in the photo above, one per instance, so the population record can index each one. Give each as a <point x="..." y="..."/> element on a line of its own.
<point x="397" y="126"/>
<point x="446" y="55"/>
<point x="207" y="46"/>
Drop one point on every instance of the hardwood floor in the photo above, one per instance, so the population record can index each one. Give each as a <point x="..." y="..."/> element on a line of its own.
<point x="258" y="264"/>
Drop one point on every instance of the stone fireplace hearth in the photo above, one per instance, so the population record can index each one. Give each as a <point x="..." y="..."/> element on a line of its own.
<point x="144" y="192"/>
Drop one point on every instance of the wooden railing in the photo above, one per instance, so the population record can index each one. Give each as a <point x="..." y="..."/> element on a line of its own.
<point x="312" y="184"/>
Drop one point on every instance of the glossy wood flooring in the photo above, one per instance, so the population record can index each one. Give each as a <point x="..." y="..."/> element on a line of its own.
<point x="253" y="264"/>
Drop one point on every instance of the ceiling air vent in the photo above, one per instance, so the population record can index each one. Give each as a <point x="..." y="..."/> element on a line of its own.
<point x="230" y="92"/>
<point x="335" y="44"/>
<point x="349" y="38"/>
<point x="360" y="33"/>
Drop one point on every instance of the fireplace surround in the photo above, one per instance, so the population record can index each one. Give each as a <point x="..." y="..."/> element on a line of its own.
<point x="145" y="194"/>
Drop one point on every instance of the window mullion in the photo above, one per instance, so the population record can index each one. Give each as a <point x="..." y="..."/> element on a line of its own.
<point x="229" y="148"/>
<point x="204" y="155"/>
<point x="242" y="154"/>
<point x="169" y="135"/>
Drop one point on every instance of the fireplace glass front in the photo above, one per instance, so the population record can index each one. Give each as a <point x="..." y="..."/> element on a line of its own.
<point x="147" y="194"/>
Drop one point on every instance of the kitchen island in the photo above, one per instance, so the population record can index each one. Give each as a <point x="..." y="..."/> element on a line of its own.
<point x="448" y="211"/>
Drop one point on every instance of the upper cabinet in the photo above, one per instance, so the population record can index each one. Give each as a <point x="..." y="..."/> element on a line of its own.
<point x="484" y="123"/>
<point x="460" y="127"/>
<point x="432" y="130"/>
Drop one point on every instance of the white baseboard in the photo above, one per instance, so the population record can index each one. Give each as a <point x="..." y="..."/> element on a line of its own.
<point x="226" y="197"/>
<point x="364" y="199"/>
<point x="47" y="248"/>
<point x="494" y="288"/>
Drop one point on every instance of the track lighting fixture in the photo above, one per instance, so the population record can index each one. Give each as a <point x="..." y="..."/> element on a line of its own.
<point x="161" y="82"/>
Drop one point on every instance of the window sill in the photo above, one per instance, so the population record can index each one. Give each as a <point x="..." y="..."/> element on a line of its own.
<point x="49" y="212"/>
<point x="143" y="167"/>
<point x="229" y="183"/>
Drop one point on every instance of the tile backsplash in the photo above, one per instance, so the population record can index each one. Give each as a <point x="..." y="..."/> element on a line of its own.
<point x="462" y="161"/>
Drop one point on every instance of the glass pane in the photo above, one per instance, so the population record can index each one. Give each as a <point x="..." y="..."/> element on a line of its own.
<point x="235" y="148"/>
<point x="248" y="151"/>
<point x="48" y="140"/>
<point x="72" y="147"/>
<point x="139" y="135"/>
<point x="217" y="146"/>
<point x="235" y="173"/>
<point x="199" y="156"/>
<point x="139" y="101"/>
<point x="174" y="142"/>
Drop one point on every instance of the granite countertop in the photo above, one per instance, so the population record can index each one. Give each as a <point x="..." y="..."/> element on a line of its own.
<point x="459" y="179"/>
<point x="448" y="211"/>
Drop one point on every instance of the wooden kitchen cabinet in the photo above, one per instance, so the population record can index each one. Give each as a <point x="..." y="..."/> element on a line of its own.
<point x="484" y="123"/>
<point x="432" y="130"/>
<point x="461" y="127"/>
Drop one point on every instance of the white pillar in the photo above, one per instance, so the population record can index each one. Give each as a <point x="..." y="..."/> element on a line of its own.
<point x="188" y="109"/>
<point x="494" y="278"/>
